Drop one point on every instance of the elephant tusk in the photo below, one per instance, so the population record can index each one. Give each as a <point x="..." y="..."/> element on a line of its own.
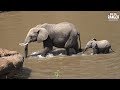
<point x="23" y="44"/>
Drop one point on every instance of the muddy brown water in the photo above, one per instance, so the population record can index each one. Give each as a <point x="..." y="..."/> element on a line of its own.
<point x="92" y="24"/>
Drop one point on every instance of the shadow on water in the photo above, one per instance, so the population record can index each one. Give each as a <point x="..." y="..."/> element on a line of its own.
<point x="23" y="74"/>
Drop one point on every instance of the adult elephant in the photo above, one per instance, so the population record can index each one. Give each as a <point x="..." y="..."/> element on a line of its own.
<point x="61" y="35"/>
<point x="102" y="46"/>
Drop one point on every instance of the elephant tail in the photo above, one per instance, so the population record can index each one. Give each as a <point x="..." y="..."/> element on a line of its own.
<point x="80" y="50"/>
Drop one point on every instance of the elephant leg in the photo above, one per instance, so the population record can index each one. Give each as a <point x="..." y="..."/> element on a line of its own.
<point x="71" y="40"/>
<point x="48" y="46"/>
<point x="67" y="51"/>
<point x="76" y="48"/>
<point x="68" y="43"/>
<point x="95" y="51"/>
<point x="106" y="50"/>
<point x="46" y="50"/>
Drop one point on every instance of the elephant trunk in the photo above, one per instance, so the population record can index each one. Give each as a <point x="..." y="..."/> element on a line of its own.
<point x="84" y="50"/>
<point x="26" y="51"/>
<point x="25" y="44"/>
<point x="27" y="40"/>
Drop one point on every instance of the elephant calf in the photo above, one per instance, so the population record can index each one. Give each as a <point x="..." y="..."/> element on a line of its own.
<point x="102" y="46"/>
<point x="61" y="35"/>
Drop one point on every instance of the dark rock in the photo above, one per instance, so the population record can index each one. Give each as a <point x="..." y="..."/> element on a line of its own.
<point x="11" y="62"/>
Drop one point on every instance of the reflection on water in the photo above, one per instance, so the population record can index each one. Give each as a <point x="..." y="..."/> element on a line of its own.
<point x="15" y="25"/>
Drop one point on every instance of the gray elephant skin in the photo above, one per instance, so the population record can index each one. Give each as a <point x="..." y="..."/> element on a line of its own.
<point x="61" y="35"/>
<point x="102" y="46"/>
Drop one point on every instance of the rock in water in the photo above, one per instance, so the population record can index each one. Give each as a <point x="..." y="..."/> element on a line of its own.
<point x="11" y="62"/>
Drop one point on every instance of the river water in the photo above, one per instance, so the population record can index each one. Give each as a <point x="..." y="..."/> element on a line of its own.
<point x="15" y="25"/>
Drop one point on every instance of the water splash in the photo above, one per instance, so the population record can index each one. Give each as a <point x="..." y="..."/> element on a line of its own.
<point x="56" y="53"/>
<point x="50" y="55"/>
<point x="39" y="56"/>
<point x="83" y="54"/>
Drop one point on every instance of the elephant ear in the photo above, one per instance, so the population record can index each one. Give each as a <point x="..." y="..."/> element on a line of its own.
<point x="95" y="46"/>
<point x="42" y="35"/>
